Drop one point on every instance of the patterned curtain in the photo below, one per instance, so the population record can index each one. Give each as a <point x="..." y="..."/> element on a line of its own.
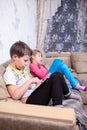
<point x="45" y="10"/>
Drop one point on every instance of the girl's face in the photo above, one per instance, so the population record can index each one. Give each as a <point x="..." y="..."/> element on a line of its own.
<point x="20" y="62"/>
<point x="37" y="58"/>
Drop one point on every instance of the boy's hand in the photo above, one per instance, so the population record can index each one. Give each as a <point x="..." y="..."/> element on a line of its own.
<point x="36" y="80"/>
<point x="46" y="77"/>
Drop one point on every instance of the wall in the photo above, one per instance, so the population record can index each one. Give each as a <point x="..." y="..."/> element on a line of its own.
<point x="67" y="29"/>
<point x="17" y="22"/>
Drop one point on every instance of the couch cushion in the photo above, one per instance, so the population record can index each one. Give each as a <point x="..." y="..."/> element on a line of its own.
<point x="79" y="61"/>
<point x="35" y="117"/>
<point x="9" y="99"/>
<point x="2" y="69"/>
<point x="3" y="90"/>
<point x="48" y="61"/>
<point x="84" y="97"/>
<point x="83" y="77"/>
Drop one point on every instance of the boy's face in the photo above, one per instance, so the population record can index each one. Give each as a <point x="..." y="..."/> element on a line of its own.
<point x="20" y="62"/>
<point x="38" y="58"/>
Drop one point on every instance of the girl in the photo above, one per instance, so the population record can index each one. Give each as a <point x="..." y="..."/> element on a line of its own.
<point x="37" y="69"/>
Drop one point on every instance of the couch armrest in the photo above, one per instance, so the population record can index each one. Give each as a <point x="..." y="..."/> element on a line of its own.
<point x="33" y="117"/>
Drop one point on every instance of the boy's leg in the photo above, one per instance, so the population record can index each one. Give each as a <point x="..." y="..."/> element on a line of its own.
<point x="63" y="84"/>
<point x="51" y="88"/>
<point x="59" y="88"/>
<point x="41" y="96"/>
<point x="62" y="87"/>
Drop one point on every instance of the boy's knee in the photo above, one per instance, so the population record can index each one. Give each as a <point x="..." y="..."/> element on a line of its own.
<point x="57" y="76"/>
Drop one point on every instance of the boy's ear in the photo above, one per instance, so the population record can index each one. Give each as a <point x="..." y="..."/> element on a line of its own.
<point x="14" y="56"/>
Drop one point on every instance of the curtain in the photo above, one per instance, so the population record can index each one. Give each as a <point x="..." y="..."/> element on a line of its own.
<point x="45" y="10"/>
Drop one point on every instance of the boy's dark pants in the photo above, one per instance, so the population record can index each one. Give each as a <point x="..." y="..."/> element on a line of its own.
<point x="54" y="87"/>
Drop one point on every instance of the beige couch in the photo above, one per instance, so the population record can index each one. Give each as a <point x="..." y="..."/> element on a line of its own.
<point x="15" y="115"/>
<point x="77" y="62"/>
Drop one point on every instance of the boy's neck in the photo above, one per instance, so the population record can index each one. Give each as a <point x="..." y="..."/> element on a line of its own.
<point x="14" y="66"/>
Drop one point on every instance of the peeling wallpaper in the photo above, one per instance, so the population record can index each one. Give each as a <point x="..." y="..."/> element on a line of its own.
<point x="17" y="22"/>
<point x="67" y="29"/>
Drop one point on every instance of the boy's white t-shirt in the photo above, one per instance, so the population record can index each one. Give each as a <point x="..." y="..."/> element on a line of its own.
<point x="16" y="77"/>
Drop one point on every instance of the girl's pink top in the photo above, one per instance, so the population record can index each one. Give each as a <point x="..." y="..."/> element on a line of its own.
<point x="39" y="71"/>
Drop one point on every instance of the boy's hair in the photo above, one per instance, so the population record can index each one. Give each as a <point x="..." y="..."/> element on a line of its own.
<point x="20" y="49"/>
<point x="34" y="52"/>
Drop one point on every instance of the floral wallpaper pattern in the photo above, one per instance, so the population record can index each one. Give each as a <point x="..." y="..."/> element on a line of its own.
<point x="67" y="29"/>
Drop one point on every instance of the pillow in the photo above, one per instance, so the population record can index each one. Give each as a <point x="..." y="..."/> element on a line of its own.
<point x="80" y="67"/>
<point x="48" y="61"/>
<point x="79" y="61"/>
<point x="3" y="90"/>
<point x="2" y="69"/>
<point x="79" y="56"/>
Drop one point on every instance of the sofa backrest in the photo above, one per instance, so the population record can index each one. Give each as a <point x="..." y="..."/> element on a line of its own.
<point x="3" y="90"/>
<point x="79" y="62"/>
<point x="50" y="57"/>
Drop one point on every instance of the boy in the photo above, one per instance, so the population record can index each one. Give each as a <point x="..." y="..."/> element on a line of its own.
<point x="22" y="87"/>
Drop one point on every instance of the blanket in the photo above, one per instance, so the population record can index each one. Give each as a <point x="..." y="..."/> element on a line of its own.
<point x="77" y="105"/>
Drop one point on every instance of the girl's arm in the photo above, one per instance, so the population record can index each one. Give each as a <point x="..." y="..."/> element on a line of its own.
<point x="37" y="71"/>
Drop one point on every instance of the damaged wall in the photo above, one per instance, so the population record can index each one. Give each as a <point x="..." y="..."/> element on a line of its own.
<point x="18" y="20"/>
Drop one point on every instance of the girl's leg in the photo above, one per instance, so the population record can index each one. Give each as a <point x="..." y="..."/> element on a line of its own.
<point x="58" y="66"/>
<point x="54" y="66"/>
<point x="67" y="73"/>
<point x="51" y="88"/>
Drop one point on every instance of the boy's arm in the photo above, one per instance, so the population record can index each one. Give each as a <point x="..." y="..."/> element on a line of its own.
<point x="17" y="92"/>
<point x="38" y="72"/>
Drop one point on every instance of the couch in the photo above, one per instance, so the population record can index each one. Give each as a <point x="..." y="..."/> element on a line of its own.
<point x="17" y="116"/>
<point x="77" y="62"/>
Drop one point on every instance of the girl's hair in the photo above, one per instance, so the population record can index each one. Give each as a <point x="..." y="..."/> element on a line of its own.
<point x="34" y="52"/>
<point x="20" y="49"/>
